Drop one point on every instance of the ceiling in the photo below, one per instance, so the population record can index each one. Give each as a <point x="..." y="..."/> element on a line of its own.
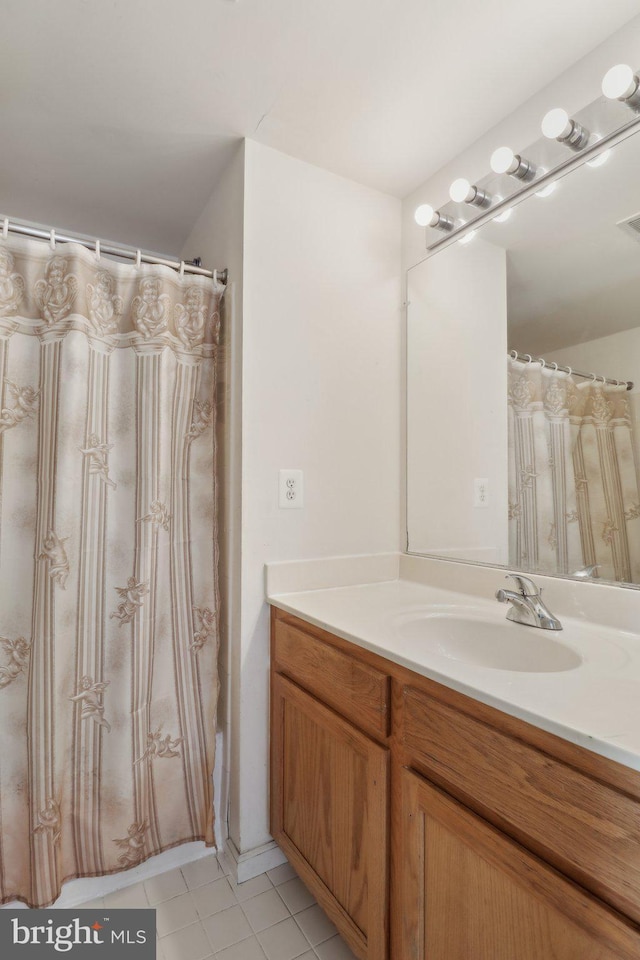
<point x="118" y="116"/>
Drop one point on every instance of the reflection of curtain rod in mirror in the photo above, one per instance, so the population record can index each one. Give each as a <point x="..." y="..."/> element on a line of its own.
<point x="527" y="358"/>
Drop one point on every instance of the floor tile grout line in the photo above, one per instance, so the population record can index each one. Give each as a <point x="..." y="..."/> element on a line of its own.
<point x="190" y="891"/>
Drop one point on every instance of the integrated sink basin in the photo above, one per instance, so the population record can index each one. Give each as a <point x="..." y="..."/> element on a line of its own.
<point x="478" y="641"/>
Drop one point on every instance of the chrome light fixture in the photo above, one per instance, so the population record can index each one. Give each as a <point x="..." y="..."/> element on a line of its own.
<point x="621" y="83"/>
<point x="504" y="160"/>
<point x="558" y="125"/>
<point x="426" y="216"/>
<point x="461" y="191"/>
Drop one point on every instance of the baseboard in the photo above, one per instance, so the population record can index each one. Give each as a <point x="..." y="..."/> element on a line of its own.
<point x="246" y="866"/>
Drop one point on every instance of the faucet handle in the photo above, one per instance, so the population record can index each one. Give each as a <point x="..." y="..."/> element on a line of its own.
<point x="525" y="586"/>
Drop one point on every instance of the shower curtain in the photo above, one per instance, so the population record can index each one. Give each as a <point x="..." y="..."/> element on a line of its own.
<point x="573" y="489"/>
<point x="108" y="613"/>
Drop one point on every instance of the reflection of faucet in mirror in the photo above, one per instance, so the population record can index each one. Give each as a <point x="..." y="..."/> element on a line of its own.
<point x="526" y="605"/>
<point x="586" y="573"/>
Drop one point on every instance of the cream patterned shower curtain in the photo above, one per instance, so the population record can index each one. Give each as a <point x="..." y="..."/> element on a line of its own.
<point x="573" y="489"/>
<point x="108" y="609"/>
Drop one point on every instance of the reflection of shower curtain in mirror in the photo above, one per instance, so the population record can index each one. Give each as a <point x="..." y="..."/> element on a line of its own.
<point x="573" y="489"/>
<point x="108" y="620"/>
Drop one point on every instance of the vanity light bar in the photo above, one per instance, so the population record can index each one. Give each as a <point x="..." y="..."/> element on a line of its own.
<point x="620" y="83"/>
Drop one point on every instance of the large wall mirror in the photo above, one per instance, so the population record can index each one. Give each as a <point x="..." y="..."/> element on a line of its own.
<point x="523" y="341"/>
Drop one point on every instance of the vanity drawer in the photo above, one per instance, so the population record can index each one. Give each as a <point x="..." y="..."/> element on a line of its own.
<point x="586" y="828"/>
<point x="354" y="689"/>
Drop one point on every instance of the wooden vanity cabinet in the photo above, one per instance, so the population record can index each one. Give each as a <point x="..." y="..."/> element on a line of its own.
<point x="468" y="891"/>
<point x="500" y="841"/>
<point x="567" y="809"/>
<point x="330" y="781"/>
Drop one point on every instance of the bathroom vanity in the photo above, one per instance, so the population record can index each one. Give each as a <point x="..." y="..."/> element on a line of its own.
<point x="431" y="824"/>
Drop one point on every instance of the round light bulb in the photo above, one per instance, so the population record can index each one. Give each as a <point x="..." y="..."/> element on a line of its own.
<point x="504" y="216"/>
<point x="468" y="237"/>
<point x="503" y="160"/>
<point x="601" y="158"/>
<point x="556" y="124"/>
<point x="461" y="190"/>
<point x="619" y="83"/>
<point x="548" y="190"/>
<point x="424" y="214"/>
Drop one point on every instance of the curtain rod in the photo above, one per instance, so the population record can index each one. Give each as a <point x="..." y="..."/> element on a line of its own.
<point x="527" y="358"/>
<point x="127" y="253"/>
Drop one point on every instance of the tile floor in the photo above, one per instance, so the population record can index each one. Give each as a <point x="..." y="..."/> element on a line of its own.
<point x="201" y="914"/>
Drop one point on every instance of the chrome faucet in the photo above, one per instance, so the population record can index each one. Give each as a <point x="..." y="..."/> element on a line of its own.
<point x="526" y="605"/>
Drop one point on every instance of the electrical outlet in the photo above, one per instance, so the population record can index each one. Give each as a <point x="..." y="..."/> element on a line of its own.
<point x="290" y="489"/>
<point x="481" y="492"/>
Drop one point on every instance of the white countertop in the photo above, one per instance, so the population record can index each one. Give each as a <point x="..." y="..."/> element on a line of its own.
<point x="595" y="705"/>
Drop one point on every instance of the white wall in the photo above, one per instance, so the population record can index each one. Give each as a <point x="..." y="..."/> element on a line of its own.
<point x="321" y="392"/>
<point x="456" y="410"/>
<point x="312" y="382"/>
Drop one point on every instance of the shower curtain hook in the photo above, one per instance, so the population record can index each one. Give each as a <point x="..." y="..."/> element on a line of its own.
<point x="52" y="239"/>
<point x="513" y="354"/>
<point x="5" y="228"/>
<point x="543" y="362"/>
<point x="138" y="259"/>
<point x="569" y="371"/>
<point x="181" y="269"/>
<point x="97" y="250"/>
<point x="530" y="360"/>
<point x="554" y="365"/>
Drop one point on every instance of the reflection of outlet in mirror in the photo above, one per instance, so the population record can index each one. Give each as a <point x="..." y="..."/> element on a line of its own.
<point x="290" y="489"/>
<point x="481" y="492"/>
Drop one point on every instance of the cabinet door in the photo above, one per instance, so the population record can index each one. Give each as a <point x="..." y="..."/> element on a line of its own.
<point x="469" y="891"/>
<point x="329" y="813"/>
